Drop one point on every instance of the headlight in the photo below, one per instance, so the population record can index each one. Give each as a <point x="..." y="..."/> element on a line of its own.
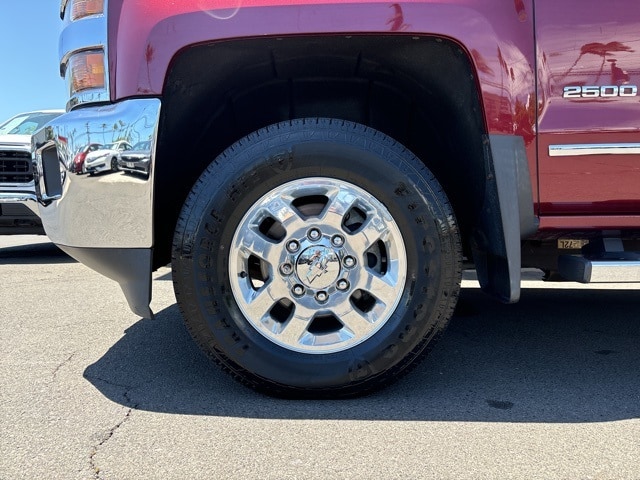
<point x="86" y="71"/>
<point x="84" y="51"/>
<point x="86" y="8"/>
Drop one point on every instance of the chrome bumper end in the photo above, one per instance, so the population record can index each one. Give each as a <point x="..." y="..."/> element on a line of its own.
<point x="104" y="221"/>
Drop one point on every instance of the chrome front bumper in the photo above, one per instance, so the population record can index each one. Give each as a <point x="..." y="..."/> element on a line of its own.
<point x="25" y="198"/>
<point x="19" y="213"/>
<point x="104" y="221"/>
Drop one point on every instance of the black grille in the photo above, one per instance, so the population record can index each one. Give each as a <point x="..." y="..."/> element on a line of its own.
<point x="15" y="167"/>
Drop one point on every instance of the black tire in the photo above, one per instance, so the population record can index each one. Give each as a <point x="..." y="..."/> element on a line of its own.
<point x="114" y="165"/>
<point x="331" y="152"/>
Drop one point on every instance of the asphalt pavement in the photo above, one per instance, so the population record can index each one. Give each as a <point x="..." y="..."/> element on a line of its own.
<point x="548" y="388"/>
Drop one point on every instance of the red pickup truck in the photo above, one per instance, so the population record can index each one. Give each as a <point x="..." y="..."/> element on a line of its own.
<point x="319" y="172"/>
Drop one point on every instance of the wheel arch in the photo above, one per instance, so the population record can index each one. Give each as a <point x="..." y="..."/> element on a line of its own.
<point x="420" y="90"/>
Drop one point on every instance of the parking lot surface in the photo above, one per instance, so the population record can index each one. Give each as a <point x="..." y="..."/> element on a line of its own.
<point x="547" y="388"/>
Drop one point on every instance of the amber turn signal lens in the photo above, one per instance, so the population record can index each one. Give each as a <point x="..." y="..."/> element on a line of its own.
<point x="87" y="71"/>
<point x="84" y="8"/>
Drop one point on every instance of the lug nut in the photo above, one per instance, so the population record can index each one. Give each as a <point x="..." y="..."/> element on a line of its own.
<point x="293" y="246"/>
<point x="349" y="261"/>
<point x="342" y="284"/>
<point x="313" y="234"/>
<point x="298" y="290"/>
<point x="286" y="269"/>
<point x="337" y="241"/>
<point x="322" y="296"/>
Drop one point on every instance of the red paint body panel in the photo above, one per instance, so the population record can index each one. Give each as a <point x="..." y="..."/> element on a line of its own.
<point x="497" y="33"/>
<point x="595" y="44"/>
<point x="589" y="222"/>
<point x="575" y="46"/>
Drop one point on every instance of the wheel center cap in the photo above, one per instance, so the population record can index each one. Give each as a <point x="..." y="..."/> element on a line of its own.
<point x="318" y="267"/>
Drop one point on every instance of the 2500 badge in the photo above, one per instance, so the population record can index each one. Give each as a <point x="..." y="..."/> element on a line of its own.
<point x="604" y="91"/>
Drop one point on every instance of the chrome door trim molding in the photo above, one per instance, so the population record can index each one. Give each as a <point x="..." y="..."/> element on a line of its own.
<point x="579" y="149"/>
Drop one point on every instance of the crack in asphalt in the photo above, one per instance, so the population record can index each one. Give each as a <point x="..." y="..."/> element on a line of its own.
<point x="54" y="374"/>
<point x="95" y="469"/>
<point x="94" y="450"/>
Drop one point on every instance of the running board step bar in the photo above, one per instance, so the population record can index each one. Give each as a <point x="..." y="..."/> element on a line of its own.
<point x="585" y="270"/>
<point x="602" y="261"/>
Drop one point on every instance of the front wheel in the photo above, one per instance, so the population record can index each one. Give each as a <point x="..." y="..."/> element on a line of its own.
<point x="316" y="258"/>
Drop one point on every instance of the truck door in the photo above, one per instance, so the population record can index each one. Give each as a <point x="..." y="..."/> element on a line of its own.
<point x="589" y="112"/>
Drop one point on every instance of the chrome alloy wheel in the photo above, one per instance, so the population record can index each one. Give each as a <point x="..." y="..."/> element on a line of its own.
<point x="317" y="265"/>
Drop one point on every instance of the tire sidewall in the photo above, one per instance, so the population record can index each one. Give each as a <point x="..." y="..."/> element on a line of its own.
<point x="246" y="172"/>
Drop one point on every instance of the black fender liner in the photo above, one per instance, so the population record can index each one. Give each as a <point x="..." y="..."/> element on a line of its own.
<point x="506" y="217"/>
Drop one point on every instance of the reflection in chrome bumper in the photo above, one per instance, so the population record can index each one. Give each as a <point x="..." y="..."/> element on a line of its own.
<point x="104" y="221"/>
<point x="106" y="211"/>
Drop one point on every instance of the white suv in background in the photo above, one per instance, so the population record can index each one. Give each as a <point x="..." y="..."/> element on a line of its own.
<point x="17" y="189"/>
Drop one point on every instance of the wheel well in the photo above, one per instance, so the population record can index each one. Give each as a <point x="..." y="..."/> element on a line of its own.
<point x="419" y="90"/>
